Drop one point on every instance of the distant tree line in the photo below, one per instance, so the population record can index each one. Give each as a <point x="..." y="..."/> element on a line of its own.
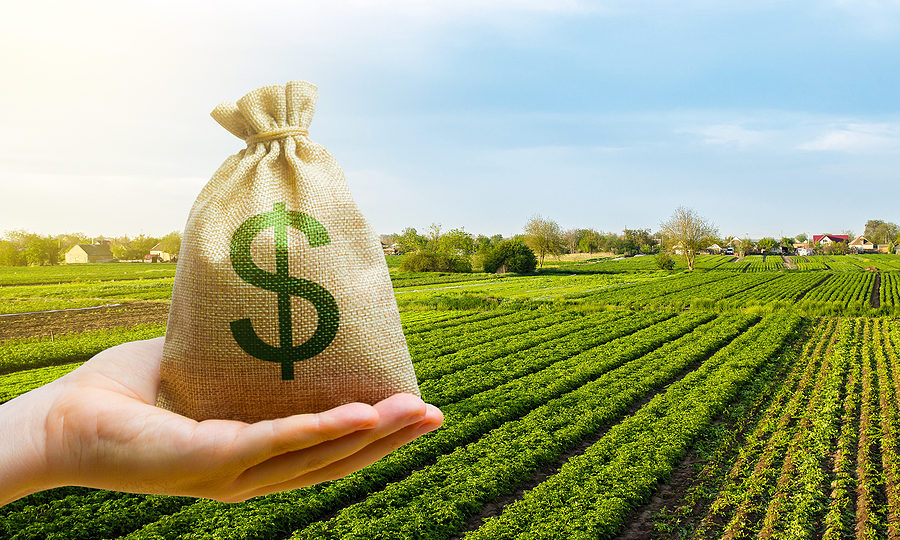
<point x="22" y="248"/>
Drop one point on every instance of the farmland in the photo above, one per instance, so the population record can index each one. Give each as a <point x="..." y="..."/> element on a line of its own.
<point x="597" y="399"/>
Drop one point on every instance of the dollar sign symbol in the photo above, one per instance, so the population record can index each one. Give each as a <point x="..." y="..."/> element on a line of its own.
<point x="286" y="286"/>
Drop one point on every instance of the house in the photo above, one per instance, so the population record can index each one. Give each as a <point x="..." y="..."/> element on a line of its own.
<point x="714" y="249"/>
<point x="89" y="253"/>
<point x="861" y="244"/>
<point x="158" y="255"/>
<point x="826" y="239"/>
<point x="803" y="249"/>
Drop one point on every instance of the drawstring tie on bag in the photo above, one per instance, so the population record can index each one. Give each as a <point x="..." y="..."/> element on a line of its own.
<point x="279" y="133"/>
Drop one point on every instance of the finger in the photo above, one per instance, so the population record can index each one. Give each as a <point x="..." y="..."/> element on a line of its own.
<point x="375" y="451"/>
<point x="365" y="457"/>
<point x="394" y="415"/>
<point x="263" y="440"/>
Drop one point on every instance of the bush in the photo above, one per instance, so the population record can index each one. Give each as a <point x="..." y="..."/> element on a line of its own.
<point x="511" y="256"/>
<point x="664" y="261"/>
<point x="426" y="261"/>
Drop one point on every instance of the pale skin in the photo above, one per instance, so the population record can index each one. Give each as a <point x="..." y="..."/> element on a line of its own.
<point x="99" y="427"/>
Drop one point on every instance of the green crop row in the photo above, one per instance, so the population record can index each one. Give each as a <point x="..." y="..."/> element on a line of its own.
<point x="36" y="275"/>
<point x="14" y="384"/>
<point x="592" y="493"/>
<point x="419" y="279"/>
<point x="644" y="292"/>
<point x="487" y="374"/>
<point x="794" y="511"/>
<point x="887" y="380"/>
<point x="445" y="340"/>
<point x="751" y="478"/>
<point x="869" y="510"/>
<point x="846" y="288"/>
<point x="66" y="348"/>
<point x="465" y="421"/>
<point x="811" y="262"/>
<point x="889" y="290"/>
<point x="838" y="518"/>
<point x="719" y="448"/>
<point x="434" y="502"/>
<point x="786" y="288"/>
<point x="764" y="263"/>
<point x="550" y="328"/>
<point x="716" y="290"/>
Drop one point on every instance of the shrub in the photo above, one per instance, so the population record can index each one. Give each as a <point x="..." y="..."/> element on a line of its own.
<point x="511" y="256"/>
<point x="426" y="261"/>
<point x="664" y="261"/>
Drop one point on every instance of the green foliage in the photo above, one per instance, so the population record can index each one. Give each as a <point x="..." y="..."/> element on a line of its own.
<point x="766" y="244"/>
<point x="410" y="240"/>
<point x="457" y="301"/>
<point x="544" y="237"/>
<point x="511" y="256"/>
<point x="426" y="261"/>
<point x="83" y="272"/>
<point x="664" y="261"/>
<point x="171" y="243"/>
<point x="65" y="348"/>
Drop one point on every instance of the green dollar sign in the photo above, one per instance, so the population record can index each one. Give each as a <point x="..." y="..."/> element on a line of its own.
<point x="286" y="286"/>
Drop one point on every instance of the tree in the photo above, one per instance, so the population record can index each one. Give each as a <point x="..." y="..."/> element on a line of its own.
<point x="410" y="240"/>
<point x="836" y="248"/>
<point x="766" y="244"/>
<point x="802" y="238"/>
<point x="881" y="232"/>
<point x="544" y="237"/>
<point x="171" y="243"/>
<point x="511" y="256"/>
<point x="687" y="230"/>
<point x="745" y="247"/>
<point x="787" y="244"/>
<point x="590" y="241"/>
<point x="434" y="236"/>
<point x="456" y="242"/>
<point x="634" y="239"/>
<point x="131" y="249"/>
<point x="571" y="238"/>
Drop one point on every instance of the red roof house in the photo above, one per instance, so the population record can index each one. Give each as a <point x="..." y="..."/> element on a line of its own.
<point x="829" y="238"/>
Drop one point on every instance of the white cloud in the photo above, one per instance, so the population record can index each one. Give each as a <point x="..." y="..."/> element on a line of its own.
<point x="731" y="134"/>
<point x="857" y="138"/>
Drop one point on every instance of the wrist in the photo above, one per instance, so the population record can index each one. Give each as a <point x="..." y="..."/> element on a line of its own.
<point x="24" y="463"/>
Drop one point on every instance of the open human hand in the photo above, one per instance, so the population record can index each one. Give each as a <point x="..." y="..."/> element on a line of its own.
<point x="99" y="427"/>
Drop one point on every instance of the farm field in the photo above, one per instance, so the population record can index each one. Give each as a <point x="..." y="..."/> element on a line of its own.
<point x="724" y="402"/>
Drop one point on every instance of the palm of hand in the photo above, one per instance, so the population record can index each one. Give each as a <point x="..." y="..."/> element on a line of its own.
<point x="103" y="430"/>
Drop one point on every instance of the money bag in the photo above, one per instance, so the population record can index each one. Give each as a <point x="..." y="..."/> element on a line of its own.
<point x="282" y="302"/>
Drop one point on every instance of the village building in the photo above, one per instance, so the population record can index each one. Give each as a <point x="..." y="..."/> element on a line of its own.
<point x="158" y="255"/>
<point x="803" y="249"/>
<point x="861" y="244"/>
<point x="89" y="253"/>
<point x="826" y="239"/>
<point x="714" y="249"/>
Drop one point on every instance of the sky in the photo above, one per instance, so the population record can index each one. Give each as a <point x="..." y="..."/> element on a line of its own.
<point x="769" y="118"/>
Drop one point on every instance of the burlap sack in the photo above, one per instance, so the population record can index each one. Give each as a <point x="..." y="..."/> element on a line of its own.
<point x="282" y="301"/>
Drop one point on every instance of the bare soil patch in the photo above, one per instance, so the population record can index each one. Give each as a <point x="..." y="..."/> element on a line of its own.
<point x="875" y="298"/>
<point x="58" y="322"/>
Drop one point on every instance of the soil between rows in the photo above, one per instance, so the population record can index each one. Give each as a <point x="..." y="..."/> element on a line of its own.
<point x="59" y="322"/>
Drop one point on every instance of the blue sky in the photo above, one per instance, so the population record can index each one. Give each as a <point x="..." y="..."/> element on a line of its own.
<point x="768" y="118"/>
